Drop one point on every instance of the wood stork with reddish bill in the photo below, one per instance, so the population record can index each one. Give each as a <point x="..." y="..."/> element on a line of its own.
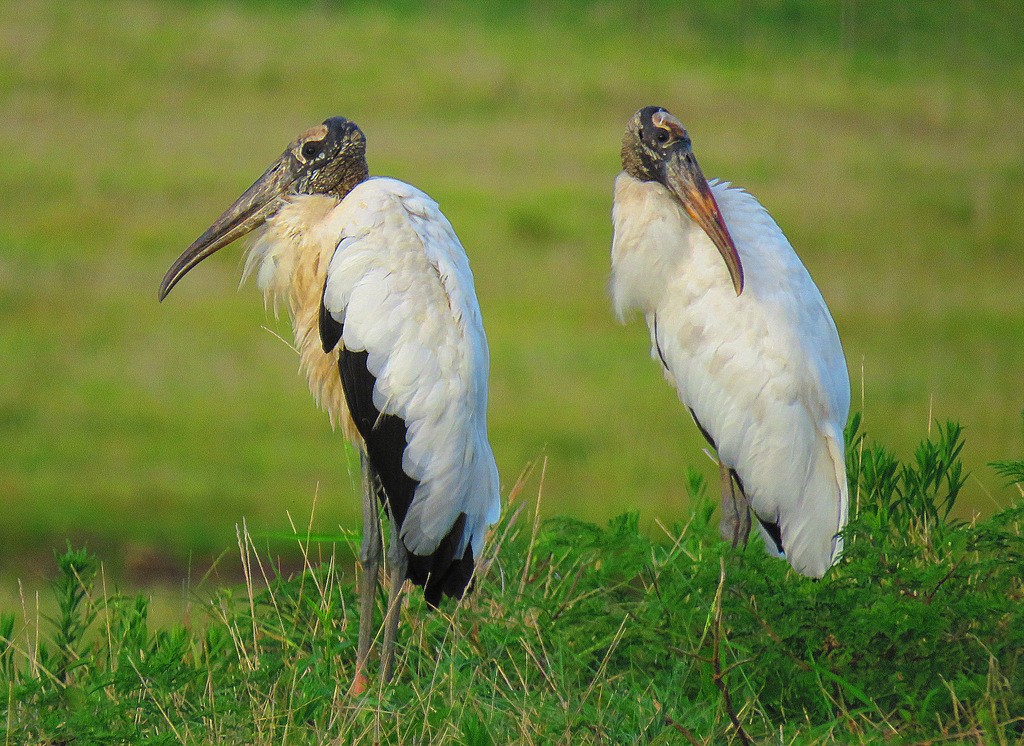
<point x="748" y="342"/>
<point x="390" y="338"/>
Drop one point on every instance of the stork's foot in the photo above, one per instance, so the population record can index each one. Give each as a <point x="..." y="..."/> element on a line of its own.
<point x="734" y="525"/>
<point x="360" y="683"/>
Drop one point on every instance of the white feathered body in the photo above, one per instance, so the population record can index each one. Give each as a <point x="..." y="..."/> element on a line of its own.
<point x="399" y="282"/>
<point x="763" y="372"/>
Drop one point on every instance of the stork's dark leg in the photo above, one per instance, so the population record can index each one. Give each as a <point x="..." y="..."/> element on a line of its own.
<point x="734" y="525"/>
<point x="398" y="561"/>
<point x="369" y="557"/>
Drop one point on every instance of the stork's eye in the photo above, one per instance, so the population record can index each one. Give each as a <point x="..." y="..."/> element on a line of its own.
<point x="311" y="150"/>
<point x="662" y="136"/>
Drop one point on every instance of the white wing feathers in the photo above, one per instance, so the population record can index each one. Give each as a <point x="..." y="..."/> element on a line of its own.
<point x="764" y="372"/>
<point x="400" y="284"/>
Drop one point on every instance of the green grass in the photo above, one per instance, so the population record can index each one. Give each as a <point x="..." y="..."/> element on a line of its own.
<point x="575" y="634"/>
<point x="885" y="140"/>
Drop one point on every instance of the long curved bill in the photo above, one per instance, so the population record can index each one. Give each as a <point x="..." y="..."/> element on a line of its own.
<point x="252" y="209"/>
<point x="686" y="181"/>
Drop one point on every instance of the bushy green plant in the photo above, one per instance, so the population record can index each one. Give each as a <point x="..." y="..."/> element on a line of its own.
<point x="577" y="633"/>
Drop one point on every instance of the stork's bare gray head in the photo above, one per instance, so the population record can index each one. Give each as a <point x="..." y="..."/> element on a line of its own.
<point x="327" y="159"/>
<point x="656" y="147"/>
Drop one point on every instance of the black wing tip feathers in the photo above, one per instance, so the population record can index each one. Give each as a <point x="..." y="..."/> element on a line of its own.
<point x="773" y="530"/>
<point x="705" y="433"/>
<point x="440" y="573"/>
<point x="384" y="435"/>
<point x="331" y="329"/>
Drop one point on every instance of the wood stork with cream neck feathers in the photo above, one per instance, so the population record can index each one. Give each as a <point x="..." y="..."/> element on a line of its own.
<point x="388" y="329"/>
<point x="747" y="342"/>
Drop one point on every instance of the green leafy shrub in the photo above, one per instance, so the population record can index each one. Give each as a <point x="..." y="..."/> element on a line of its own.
<point x="577" y="633"/>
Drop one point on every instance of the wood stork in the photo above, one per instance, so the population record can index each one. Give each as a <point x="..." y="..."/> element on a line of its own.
<point x="389" y="333"/>
<point x="748" y="343"/>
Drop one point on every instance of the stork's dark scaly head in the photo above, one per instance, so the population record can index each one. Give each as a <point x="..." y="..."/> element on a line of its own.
<point x="657" y="148"/>
<point x="328" y="159"/>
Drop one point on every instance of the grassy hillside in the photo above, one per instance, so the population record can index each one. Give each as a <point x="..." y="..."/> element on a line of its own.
<point x="885" y="140"/>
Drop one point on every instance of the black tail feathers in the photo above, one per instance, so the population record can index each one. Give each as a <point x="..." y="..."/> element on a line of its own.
<point x="442" y="573"/>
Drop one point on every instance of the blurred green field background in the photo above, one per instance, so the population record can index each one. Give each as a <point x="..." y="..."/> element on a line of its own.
<point x="886" y="139"/>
